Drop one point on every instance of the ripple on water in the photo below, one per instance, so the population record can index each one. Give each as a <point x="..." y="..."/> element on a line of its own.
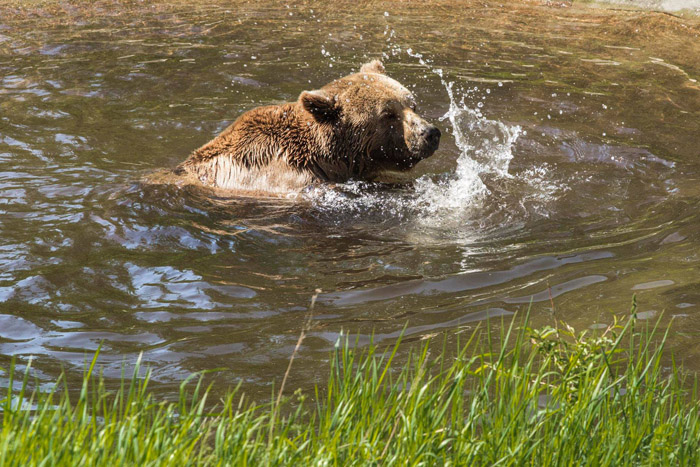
<point x="567" y="172"/>
<point x="160" y="286"/>
<point x="653" y="284"/>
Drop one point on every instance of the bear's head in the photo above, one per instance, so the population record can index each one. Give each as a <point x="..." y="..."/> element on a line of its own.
<point x="375" y="118"/>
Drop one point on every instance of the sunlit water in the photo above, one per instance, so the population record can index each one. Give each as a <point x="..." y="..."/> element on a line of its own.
<point x="568" y="173"/>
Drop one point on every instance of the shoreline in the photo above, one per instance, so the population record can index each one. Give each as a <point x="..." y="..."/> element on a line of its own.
<point x="682" y="7"/>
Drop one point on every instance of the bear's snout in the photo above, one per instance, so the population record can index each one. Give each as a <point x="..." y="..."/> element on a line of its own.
<point x="432" y="137"/>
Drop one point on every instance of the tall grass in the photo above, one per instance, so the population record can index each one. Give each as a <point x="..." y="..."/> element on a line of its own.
<point x="545" y="396"/>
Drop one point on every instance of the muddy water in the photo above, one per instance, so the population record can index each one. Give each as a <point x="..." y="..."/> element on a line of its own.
<point x="569" y="166"/>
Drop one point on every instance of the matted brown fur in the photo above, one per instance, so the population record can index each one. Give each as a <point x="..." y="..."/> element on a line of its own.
<point x="353" y="128"/>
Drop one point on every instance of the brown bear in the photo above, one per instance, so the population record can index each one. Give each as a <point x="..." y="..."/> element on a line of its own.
<point x="353" y="128"/>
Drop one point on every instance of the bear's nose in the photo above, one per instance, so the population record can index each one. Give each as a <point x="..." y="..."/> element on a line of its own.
<point x="432" y="136"/>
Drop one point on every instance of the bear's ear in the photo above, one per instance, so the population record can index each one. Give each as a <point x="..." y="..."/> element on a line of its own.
<point x="375" y="66"/>
<point x="319" y="104"/>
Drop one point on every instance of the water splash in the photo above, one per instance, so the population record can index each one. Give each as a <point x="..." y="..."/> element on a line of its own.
<point x="485" y="150"/>
<point x="447" y="201"/>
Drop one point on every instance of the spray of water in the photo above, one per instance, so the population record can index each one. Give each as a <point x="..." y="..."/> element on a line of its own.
<point x="485" y="148"/>
<point x="449" y="202"/>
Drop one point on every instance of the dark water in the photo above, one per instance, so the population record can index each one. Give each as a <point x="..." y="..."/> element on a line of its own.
<point x="570" y="159"/>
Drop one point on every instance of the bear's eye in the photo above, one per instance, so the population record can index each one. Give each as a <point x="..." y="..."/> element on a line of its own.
<point x="414" y="107"/>
<point x="389" y="114"/>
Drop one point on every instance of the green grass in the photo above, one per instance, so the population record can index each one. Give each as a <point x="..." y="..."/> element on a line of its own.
<point x="544" y="397"/>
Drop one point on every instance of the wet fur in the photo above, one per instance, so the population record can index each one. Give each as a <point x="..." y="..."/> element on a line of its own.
<point x="330" y="135"/>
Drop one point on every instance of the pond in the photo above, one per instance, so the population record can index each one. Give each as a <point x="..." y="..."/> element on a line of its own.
<point x="568" y="175"/>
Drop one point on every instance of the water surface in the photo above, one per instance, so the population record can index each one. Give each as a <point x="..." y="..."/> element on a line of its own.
<point x="568" y="173"/>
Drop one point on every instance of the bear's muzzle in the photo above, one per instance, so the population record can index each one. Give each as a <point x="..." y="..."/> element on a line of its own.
<point x="431" y="135"/>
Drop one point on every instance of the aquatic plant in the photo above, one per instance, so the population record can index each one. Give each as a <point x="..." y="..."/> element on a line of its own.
<point x="546" y="396"/>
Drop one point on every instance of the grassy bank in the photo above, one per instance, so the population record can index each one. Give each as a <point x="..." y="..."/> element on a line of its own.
<point x="548" y="396"/>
